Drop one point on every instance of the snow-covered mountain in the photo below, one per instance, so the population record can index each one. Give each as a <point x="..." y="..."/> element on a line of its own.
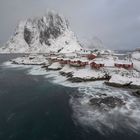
<point x="50" y="33"/>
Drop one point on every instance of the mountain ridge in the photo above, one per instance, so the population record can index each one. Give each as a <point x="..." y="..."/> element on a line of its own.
<point x="50" y="33"/>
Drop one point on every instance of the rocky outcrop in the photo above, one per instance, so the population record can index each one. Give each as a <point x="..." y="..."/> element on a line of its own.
<point x="128" y="85"/>
<point x="68" y="75"/>
<point x="136" y="93"/>
<point x="31" y="60"/>
<point x="55" y="66"/>
<point x="50" y="33"/>
<point x="126" y="80"/>
<point x="78" y="79"/>
<point x="106" y="102"/>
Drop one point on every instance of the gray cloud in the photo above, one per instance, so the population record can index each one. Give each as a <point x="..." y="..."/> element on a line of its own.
<point x="115" y="22"/>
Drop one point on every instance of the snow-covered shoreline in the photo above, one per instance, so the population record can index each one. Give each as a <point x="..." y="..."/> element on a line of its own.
<point x="112" y="76"/>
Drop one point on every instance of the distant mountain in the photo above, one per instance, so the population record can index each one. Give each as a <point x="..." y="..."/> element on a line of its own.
<point x="50" y="33"/>
<point x="93" y="43"/>
<point x="137" y="49"/>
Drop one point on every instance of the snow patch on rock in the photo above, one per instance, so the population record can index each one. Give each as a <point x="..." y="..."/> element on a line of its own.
<point x="55" y="66"/>
<point x="50" y="33"/>
<point x="31" y="60"/>
<point x="136" y="60"/>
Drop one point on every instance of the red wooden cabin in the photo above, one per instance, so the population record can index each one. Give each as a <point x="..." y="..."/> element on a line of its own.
<point x="95" y="65"/>
<point x="63" y="61"/>
<point x="78" y="63"/>
<point x="125" y="66"/>
<point x="91" y="56"/>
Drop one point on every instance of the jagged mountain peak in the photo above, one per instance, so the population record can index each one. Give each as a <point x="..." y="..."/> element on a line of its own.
<point x="50" y="32"/>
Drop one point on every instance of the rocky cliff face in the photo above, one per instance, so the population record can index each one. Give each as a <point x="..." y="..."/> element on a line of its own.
<point x="50" y="33"/>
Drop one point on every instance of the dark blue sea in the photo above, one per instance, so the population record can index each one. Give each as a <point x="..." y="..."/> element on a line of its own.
<point x="34" y="108"/>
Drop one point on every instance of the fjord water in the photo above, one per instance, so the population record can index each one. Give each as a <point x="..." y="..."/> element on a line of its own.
<point x="34" y="108"/>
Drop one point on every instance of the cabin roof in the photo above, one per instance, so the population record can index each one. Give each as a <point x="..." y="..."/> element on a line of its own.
<point x="123" y="62"/>
<point x="79" y="59"/>
<point x="53" y="57"/>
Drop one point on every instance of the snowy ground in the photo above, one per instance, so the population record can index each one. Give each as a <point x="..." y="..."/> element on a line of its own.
<point x="55" y="66"/>
<point x="118" y="75"/>
<point x="31" y="60"/>
<point x="136" y="60"/>
<point x="125" y="81"/>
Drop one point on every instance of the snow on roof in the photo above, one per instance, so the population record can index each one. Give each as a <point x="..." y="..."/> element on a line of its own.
<point x="70" y="55"/>
<point x="110" y="61"/>
<point x="53" y="57"/>
<point x="75" y="59"/>
<point x="79" y="59"/>
<point x="60" y="58"/>
<point x="65" y="59"/>
<point x="123" y="62"/>
<point x="106" y="62"/>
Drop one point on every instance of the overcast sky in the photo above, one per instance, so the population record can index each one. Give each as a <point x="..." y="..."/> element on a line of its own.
<point x="115" y="22"/>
